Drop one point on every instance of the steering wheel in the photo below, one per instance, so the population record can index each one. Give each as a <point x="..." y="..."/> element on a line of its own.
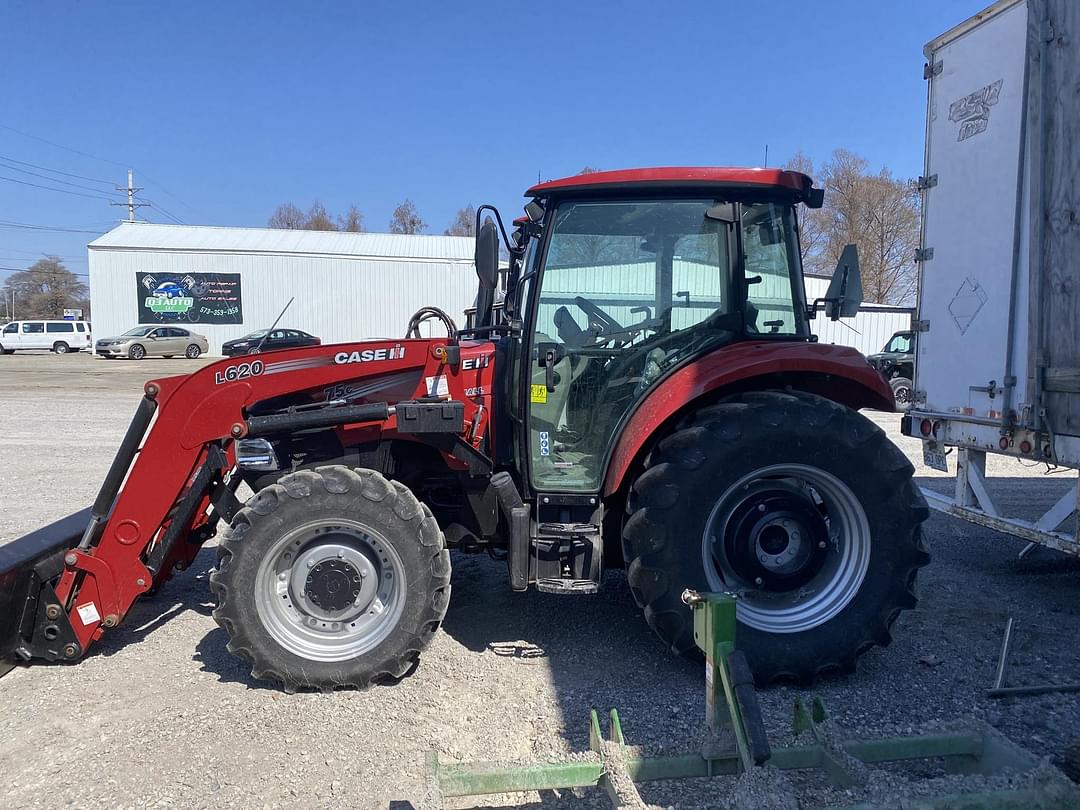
<point x="598" y="319"/>
<point x="430" y="314"/>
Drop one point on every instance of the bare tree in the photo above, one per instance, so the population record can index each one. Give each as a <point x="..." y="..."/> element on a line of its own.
<point x="318" y="219"/>
<point x="45" y="289"/>
<point x="589" y="170"/>
<point x="352" y="221"/>
<point x="287" y="216"/>
<point x="406" y="219"/>
<point x="813" y="222"/>
<point x="876" y="211"/>
<point x="464" y="223"/>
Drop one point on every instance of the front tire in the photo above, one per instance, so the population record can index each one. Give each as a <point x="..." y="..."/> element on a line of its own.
<point x="331" y="578"/>
<point x="800" y="505"/>
<point x="902" y="389"/>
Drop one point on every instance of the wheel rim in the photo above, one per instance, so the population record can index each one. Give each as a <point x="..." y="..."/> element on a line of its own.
<point x="61" y="349"/>
<point x="193" y="352"/>
<point x="138" y="352"/>
<point x="330" y="591"/>
<point x="793" y="541"/>
<point x="902" y="394"/>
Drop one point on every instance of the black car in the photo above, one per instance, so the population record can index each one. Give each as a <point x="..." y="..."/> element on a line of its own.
<point x="896" y="362"/>
<point x="266" y="341"/>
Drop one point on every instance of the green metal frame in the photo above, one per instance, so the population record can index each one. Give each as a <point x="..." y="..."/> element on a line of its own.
<point x="730" y="718"/>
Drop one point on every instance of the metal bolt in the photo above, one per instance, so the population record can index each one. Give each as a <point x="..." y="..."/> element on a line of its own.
<point x="821" y="544"/>
<point x="140" y="582"/>
<point x="547" y="500"/>
<point x="761" y="507"/>
<point x="70" y="651"/>
<point x="592" y="501"/>
<point x="341" y="554"/>
<point x="758" y="581"/>
<point x="111" y="620"/>
<point x="70" y="559"/>
<point x="310" y="563"/>
<point x="53" y="612"/>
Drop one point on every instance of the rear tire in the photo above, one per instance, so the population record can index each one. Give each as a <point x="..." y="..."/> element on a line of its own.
<point x="192" y="352"/>
<point x="60" y="347"/>
<point x="902" y="389"/>
<point x="801" y="505"/>
<point x="296" y="549"/>
<point x="137" y="352"/>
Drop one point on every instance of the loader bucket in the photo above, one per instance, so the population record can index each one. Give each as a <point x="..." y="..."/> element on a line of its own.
<point x="25" y="565"/>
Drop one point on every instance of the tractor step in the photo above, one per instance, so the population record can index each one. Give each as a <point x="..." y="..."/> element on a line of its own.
<point x="567" y="586"/>
<point x="567" y="558"/>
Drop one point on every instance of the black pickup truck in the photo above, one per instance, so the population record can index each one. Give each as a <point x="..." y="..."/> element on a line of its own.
<point x="896" y="362"/>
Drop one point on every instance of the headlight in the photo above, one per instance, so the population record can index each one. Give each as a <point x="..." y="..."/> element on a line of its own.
<point x="257" y="455"/>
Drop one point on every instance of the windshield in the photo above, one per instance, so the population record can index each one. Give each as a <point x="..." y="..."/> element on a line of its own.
<point x="139" y="331"/>
<point x="255" y="335"/>
<point x="901" y="344"/>
<point x="630" y="289"/>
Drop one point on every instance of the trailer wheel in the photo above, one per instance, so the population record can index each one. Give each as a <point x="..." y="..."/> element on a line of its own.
<point x="137" y="352"/>
<point x="802" y="507"/>
<point x="331" y="578"/>
<point x="902" y="392"/>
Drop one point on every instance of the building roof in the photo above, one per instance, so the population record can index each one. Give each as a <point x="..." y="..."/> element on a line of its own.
<point x="205" y="239"/>
<point x="674" y="176"/>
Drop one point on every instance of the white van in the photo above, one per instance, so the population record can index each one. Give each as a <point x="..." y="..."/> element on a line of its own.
<point x="58" y="336"/>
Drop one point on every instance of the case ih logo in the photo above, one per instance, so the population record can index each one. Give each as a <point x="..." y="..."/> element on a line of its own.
<point x="972" y="112"/>
<point x="368" y="355"/>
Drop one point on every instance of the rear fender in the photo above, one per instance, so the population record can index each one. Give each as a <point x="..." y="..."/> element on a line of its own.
<point x="838" y="373"/>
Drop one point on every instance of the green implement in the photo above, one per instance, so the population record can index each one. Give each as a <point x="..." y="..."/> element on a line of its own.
<point x="737" y="743"/>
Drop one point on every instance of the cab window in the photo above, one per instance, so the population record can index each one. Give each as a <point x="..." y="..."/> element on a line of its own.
<point x="59" y="327"/>
<point x="11" y="329"/>
<point x="33" y="328"/>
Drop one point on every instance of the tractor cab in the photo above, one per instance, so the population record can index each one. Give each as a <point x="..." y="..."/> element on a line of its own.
<point x="618" y="278"/>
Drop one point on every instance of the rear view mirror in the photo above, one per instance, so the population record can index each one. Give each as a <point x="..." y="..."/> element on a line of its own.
<point x="845" y="293"/>
<point x="722" y="212"/>
<point x="487" y="270"/>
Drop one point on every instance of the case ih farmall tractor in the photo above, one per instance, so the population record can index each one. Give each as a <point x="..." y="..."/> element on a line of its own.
<point x="647" y="394"/>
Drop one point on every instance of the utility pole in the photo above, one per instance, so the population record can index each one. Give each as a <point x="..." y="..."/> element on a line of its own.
<point x="131" y="204"/>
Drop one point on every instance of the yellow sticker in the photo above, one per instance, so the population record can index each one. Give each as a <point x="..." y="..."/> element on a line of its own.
<point x="539" y="394"/>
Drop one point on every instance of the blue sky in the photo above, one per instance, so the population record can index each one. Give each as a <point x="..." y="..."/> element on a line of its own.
<point x="225" y="110"/>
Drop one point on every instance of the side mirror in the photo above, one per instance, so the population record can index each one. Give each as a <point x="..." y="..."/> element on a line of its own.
<point x="487" y="271"/>
<point x="487" y="255"/>
<point x="845" y="294"/>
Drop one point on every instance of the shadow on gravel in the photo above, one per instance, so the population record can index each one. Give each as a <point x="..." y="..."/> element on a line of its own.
<point x="186" y="591"/>
<point x="210" y="652"/>
<point x="598" y="649"/>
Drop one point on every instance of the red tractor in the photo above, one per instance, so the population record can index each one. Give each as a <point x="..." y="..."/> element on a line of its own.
<point x="646" y="393"/>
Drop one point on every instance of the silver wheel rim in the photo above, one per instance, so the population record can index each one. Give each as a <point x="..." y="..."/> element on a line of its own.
<point x="138" y="352"/>
<point x="320" y="629"/>
<point x="193" y="352"/>
<point x="836" y="558"/>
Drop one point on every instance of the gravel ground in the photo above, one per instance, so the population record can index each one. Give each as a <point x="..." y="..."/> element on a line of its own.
<point x="161" y="715"/>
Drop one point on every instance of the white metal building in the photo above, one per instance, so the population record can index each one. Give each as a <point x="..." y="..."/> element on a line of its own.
<point x="868" y="331"/>
<point x="227" y="282"/>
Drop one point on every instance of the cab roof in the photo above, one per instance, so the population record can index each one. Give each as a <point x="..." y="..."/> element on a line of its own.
<point x="672" y="178"/>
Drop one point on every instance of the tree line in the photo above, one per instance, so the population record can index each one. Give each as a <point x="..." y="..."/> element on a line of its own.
<point x="405" y="219"/>
<point x="44" y="290"/>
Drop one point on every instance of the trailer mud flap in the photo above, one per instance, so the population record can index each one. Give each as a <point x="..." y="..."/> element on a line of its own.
<point x="27" y="565"/>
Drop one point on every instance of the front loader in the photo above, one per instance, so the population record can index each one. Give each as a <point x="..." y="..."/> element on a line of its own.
<point x="646" y="394"/>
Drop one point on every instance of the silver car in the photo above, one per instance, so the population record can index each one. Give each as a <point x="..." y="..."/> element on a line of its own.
<point x="153" y="341"/>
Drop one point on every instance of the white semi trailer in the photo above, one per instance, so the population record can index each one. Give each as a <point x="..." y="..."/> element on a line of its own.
<point x="998" y="324"/>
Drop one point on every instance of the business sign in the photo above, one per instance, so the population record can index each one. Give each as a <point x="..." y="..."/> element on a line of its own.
<point x="191" y="297"/>
<point x="72" y="314"/>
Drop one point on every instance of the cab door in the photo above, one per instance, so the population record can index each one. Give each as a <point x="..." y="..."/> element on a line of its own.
<point x="628" y="290"/>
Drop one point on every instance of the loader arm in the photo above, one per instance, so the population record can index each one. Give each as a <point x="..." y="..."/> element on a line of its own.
<point x="173" y="478"/>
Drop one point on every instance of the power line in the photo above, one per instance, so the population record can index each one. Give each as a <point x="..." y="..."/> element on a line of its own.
<point x="59" y="146"/>
<point x="56" y="171"/>
<point x="28" y="227"/>
<point x="95" y="157"/>
<point x="162" y="209"/>
<point x="50" y="188"/>
<point x="39" y="253"/>
<point x="54" y="179"/>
